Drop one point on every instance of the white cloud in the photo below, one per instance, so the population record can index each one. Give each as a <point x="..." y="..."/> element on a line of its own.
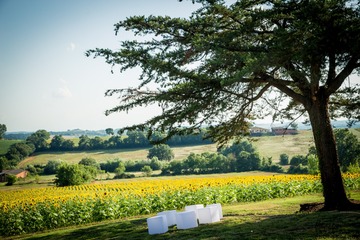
<point x="62" y="92"/>
<point x="71" y="47"/>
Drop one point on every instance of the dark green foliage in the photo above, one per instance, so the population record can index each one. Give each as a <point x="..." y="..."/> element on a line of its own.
<point x="284" y="159"/>
<point x="120" y="170"/>
<point x="155" y="163"/>
<point x="17" y="152"/>
<point x="52" y="166"/>
<point x="110" y="165"/>
<point x="272" y="168"/>
<point x="132" y="139"/>
<point x="77" y="174"/>
<point x="244" y="154"/>
<point x="109" y="131"/>
<point x="147" y="171"/>
<point x="32" y="169"/>
<point x="124" y="176"/>
<point x="59" y="143"/>
<point x="298" y="169"/>
<point x="4" y="164"/>
<point x="313" y="164"/>
<point x="39" y="140"/>
<point x="89" y="162"/>
<point x="84" y="143"/>
<point x="267" y="165"/>
<point x="136" y="166"/>
<point x="298" y="159"/>
<point x="348" y="147"/>
<point x="3" y="130"/>
<point x="161" y="151"/>
<point x="11" y="179"/>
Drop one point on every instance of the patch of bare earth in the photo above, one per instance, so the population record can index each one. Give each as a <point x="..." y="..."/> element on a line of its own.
<point x="320" y="206"/>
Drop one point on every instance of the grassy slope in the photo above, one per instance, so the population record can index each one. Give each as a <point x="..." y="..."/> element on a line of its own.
<point x="103" y="156"/>
<point x="273" y="146"/>
<point x="271" y="219"/>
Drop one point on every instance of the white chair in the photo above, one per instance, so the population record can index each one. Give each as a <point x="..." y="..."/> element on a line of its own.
<point x="218" y="205"/>
<point x="194" y="208"/>
<point x="209" y="214"/>
<point x="186" y="220"/>
<point x="157" y="224"/>
<point x="170" y="216"/>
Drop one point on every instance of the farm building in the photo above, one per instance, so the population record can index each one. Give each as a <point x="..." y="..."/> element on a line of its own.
<point x="283" y="131"/>
<point x="19" y="173"/>
<point x="257" y="131"/>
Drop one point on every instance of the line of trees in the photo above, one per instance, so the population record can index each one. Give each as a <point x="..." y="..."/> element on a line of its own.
<point x="40" y="142"/>
<point x="238" y="157"/>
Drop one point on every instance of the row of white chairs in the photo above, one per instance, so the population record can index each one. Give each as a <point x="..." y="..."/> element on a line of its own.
<point x="190" y="218"/>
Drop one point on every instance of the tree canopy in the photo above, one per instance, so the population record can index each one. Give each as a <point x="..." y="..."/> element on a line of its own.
<point x="3" y="130"/>
<point x="230" y="63"/>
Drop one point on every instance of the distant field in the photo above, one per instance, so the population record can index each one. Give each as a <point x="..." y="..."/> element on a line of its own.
<point x="103" y="156"/>
<point x="269" y="146"/>
<point x="273" y="146"/>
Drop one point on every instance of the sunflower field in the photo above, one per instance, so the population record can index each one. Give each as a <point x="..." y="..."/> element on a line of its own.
<point x="31" y="210"/>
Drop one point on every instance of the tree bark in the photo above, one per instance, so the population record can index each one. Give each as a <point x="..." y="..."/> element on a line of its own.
<point x="333" y="187"/>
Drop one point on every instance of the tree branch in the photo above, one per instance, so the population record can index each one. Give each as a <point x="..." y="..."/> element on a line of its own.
<point x="334" y="84"/>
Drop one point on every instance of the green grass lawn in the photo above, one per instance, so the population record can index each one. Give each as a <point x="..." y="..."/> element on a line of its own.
<point x="271" y="219"/>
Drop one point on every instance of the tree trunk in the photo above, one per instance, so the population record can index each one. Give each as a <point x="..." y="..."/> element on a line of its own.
<point x="333" y="187"/>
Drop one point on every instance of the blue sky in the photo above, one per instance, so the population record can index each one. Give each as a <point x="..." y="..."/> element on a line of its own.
<point x="46" y="80"/>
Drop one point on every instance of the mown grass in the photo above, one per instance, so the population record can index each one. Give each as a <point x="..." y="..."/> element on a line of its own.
<point x="271" y="219"/>
<point x="105" y="155"/>
<point x="273" y="146"/>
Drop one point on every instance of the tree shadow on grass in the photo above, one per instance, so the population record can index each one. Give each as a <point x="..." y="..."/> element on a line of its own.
<point x="337" y="225"/>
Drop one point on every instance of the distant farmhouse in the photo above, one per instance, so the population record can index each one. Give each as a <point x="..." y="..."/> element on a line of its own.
<point x="284" y="131"/>
<point x="258" y="131"/>
<point x="19" y="173"/>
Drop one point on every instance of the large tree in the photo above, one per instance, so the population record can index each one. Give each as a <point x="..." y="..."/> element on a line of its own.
<point x="226" y="63"/>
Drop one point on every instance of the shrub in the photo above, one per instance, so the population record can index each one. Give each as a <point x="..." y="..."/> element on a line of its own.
<point x="120" y="170"/>
<point x="11" y="179"/>
<point x="284" y="159"/>
<point x="89" y="162"/>
<point x="147" y="171"/>
<point x="313" y="164"/>
<point x="110" y="166"/>
<point x="161" y="151"/>
<point x="76" y="174"/>
<point x="298" y="159"/>
<point x="299" y="169"/>
<point x="244" y="154"/>
<point x="52" y="166"/>
<point x="155" y="163"/>
<point x="124" y="175"/>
